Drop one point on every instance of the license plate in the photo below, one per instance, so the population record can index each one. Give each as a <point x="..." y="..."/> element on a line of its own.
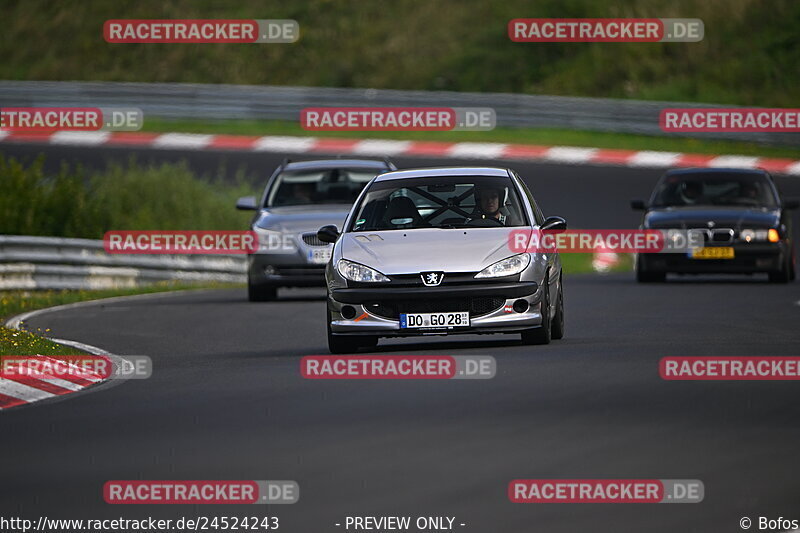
<point x="712" y="252"/>
<point x="434" y="320"/>
<point x="319" y="255"/>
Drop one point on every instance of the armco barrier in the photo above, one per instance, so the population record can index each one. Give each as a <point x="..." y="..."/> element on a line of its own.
<point x="56" y="263"/>
<point x="221" y="102"/>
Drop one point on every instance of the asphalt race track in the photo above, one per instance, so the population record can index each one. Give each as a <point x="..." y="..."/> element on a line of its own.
<point x="226" y="399"/>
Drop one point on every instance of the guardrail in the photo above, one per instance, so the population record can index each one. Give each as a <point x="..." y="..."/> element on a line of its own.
<point x="56" y="263"/>
<point x="221" y="102"/>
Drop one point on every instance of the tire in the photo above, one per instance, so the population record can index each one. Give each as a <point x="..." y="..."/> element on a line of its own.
<point x="557" y="327"/>
<point x="784" y="275"/>
<point x="261" y="293"/>
<point x="367" y="341"/>
<point x="643" y="276"/>
<point x="346" y="344"/>
<point x="541" y="335"/>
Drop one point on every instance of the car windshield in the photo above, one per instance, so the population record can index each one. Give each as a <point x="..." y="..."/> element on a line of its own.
<point x="319" y="186"/>
<point x="439" y="202"/>
<point x="734" y="189"/>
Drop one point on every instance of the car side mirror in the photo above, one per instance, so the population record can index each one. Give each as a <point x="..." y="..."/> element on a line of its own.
<point x="792" y="203"/>
<point x="554" y="223"/>
<point x="638" y="205"/>
<point x="247" y="203"/>
<point x="328" y="234"/>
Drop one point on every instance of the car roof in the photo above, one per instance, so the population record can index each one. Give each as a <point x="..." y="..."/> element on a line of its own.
<point x="717" y="170"/>
<point x="336" y="163"/>
<point x="437" y="172"/>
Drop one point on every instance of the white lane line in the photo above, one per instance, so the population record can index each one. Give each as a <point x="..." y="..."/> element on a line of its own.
<point x="380" y="147"/>
<point x="569" y="154"/>
<point x="22" y="392"/>
<point x="647" y="158"/>
<point x="63" y="383"/>
<point x="85" y="138"/>
<point x="793" y="169"/>
<point x="192" y="141"/>
<point x="477" y="150"/>
<point x="740" y="161"/>
<point x="279" y="143"/>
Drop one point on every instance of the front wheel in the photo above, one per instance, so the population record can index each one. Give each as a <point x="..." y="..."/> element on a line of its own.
<point x="644" y="276"/>
<point x="557" y="328"/>
<point x="260" y="293"/>
<point x="542" y="334"/>
<point x="346" y="344"/>
<point x="784" y="275"/>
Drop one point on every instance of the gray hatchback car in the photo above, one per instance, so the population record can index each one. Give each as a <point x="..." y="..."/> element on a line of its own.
<point x="428" y="252"/>
<point x="299" y="197"/>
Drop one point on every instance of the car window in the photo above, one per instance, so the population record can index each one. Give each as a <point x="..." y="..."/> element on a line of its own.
<point x="714" y="189"/>
<point x="327" y="186"/>
<point x="452" y="201"/>
<point x="537" y="213"/>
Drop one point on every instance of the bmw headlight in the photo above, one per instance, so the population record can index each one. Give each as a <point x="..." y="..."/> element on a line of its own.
<point x="507" y="267"/>
<point x="360" y="273"/>
<point x="756" y="235"/>
<point x="273" y="241"/>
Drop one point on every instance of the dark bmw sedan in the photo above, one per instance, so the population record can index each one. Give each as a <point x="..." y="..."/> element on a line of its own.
<point x="743" y="222"/>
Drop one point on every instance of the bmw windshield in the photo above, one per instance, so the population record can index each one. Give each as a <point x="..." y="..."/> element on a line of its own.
<point x="705" y="189"/>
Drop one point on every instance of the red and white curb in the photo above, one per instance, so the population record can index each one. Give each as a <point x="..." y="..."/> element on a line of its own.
<point x="24" y="391"/>
<point x="604" y="261"/>
<point x="15" y="391"/>
<point x="380" y="147"/>
<point x="20" y="391"/>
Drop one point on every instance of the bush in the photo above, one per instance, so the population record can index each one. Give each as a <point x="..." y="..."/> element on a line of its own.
<point x="73" y="204"/>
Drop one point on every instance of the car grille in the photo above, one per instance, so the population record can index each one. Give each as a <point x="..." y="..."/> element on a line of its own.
<point x="311" y="239"/>
<point x="716" y="235"/>
<point x="476" y="306"/>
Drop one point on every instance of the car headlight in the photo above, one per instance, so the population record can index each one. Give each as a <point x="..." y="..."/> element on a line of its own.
<point x="507" y="267"/>
<point x="755" y="235"/>
<point x="275" y="241"/>
<point x="360" y="273"/>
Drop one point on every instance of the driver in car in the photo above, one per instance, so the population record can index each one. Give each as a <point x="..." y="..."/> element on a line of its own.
<point x="487" y="203"/>
<point x="690" y="192"/>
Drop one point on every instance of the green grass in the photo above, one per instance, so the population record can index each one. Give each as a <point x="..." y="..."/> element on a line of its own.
<point x="16" y="342"/>
<point x="749" y="55"/>
<point x="541" y="136"/>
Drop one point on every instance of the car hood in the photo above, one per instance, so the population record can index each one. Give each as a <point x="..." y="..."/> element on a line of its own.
<point x="420" y="250"/>
<point x="721" y="216"/>
<point x="302" y="218"/>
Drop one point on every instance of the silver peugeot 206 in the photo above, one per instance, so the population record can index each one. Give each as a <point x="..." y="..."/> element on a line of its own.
<point x="431" y="252"/>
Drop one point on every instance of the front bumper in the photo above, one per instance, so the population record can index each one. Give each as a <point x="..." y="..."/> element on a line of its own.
<point x="748" y="259"/>
<point x="376" y="310"/>
<point x="284" y="270"/>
